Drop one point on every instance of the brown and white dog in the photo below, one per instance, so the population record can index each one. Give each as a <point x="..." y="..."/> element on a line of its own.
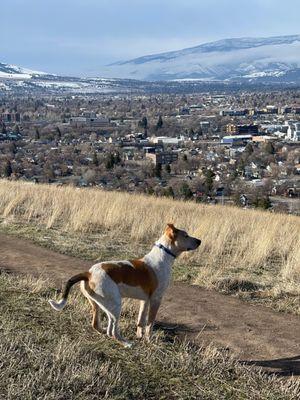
<point x="145" y="279"/>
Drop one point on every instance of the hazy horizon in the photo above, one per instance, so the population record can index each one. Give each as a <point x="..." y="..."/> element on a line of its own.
<point x="81" y="36"/>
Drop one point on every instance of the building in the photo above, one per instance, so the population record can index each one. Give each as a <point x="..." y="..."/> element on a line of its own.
<point x="236" y="140"/>
<point x="264" y="138"/>
<point x="165" y="140"/>
<point x="96" y="122"/>
<point x="242" y="129"/>
<point x="162" y="158"/>
<point x="233" y="113"/>
<point x="293" y="132"/>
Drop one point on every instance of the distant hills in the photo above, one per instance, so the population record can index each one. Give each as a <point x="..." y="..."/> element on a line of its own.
<point x="274" y="59"/>
<point x="229" y="62"/>
<point x="25" y="81"/>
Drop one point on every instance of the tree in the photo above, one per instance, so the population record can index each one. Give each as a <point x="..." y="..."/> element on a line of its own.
<point x="262" y="202"/>
<point x="17" y="130"/>
<point x="117" y="158"/>
<point x="58" y="133"/>
<point x="209" y="180"/>
<point x="249" y="149"/>
<point x="160" y="123"/>
<point x="7" y="171"/>
<point x="158" y="170"/>
<point x="169" y="192"/>
<point x="143" y="123"/>
<point x="185" y="191"/>
<point x="37" y="135"/>
<point x="110" y="161"/>
<point x="269" y="148"/>
<point x="95" y="159"/>
<point x="168" y="168"/>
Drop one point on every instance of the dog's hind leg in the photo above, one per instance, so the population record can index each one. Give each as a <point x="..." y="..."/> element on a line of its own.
<point x="116" y="312"/>
<point x="96" y="311"/>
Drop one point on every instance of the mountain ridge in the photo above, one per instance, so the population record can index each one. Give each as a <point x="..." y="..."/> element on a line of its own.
<point x="226" y="59"/>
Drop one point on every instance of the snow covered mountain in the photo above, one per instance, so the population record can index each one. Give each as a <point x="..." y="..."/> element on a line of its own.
<point x="268" y="59"/>
<point x="20" y="80"/>
<point x="13" y="72"/>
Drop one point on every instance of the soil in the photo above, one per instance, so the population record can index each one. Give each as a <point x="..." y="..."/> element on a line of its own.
<point x="254" y="334"/>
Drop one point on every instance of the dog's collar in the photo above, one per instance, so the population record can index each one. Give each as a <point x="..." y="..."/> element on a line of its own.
<point x="161" y="246"/>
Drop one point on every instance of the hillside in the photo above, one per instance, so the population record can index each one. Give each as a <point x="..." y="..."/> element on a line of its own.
<point x="236" y="350"/>
<point x="250" y="253"/>
<point x="22" y="80"/>
<point x="274" y="59"/>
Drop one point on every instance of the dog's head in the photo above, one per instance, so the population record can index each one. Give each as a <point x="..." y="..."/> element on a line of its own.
<point x="180" y="240"/>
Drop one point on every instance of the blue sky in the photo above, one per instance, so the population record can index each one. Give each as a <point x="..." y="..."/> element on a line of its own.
<point x="79" y="36"/>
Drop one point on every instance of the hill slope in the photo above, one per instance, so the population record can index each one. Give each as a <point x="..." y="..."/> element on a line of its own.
<point x="268" y="59"/>
<point x="252" y="253"/>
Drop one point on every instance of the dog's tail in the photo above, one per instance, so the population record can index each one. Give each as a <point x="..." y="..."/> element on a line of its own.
<point x="58" y="306"/>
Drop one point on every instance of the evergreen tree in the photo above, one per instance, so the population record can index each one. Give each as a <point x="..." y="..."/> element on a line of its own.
<point x="37" y="135"/>
<point x="95" y="159"/>
<point x="160" y="123"/>
<point x="168" y="169"/>
<point x="110" y="161"/>
<point x="144" y="123"/>
<point x="117" y="158"/>
<point x="158" y="170"/>
<point x="169" y="192"/>
<point x="7" y="171"/>
<point x="58" y="133"/>
<point x="262" y="202"/>
<point x="185" y="191"/>
<point x="209" y="181"/>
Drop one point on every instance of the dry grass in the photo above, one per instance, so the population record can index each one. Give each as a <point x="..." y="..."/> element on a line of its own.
<point x="246" y="246"/>
<point x="56" y="356"/>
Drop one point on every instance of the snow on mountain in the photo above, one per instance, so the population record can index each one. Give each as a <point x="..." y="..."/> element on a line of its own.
<point x="229" y="59"/>
<point x="8" y="71"/>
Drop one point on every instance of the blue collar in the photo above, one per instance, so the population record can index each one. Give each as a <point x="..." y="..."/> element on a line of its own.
<point x="160" y="246"/>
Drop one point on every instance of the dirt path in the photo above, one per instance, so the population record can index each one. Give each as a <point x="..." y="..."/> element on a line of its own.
<point x="254" y="334"/>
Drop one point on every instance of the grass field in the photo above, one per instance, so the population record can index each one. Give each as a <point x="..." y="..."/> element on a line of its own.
<point x="56" y="356"/>
<point x="251" y="253"/>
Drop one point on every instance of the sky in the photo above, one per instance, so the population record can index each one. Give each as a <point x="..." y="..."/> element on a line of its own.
<point x="77" y="37"/>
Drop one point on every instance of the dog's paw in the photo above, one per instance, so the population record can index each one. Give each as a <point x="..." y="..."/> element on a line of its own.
<point x="127" y="345"/>
<point x="139" y="332"/>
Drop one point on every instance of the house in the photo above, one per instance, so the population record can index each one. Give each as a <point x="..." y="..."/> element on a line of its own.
<point x="293" y="132"/>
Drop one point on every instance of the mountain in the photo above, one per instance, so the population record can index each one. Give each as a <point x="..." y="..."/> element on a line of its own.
<point x="14" y="79"/>
<point x="8" y="71"/>
<point x="274" y="59"/>
<point x="225" y="64"/>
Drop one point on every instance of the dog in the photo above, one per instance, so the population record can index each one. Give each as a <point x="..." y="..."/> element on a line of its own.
<point x="145" y="279"/>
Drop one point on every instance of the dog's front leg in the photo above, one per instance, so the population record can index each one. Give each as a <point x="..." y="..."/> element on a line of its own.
<point x="142" y="318"/>
<point x="154" y="306"/>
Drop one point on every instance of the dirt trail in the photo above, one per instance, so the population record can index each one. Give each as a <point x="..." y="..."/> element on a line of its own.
<point x="255" y="334"/>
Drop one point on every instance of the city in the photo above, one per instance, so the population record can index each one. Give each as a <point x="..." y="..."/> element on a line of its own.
<point x="237" y="148"/>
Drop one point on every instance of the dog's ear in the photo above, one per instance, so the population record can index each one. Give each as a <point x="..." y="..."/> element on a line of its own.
<point x="171" y="226"/>
<point x="171" y="231"/>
